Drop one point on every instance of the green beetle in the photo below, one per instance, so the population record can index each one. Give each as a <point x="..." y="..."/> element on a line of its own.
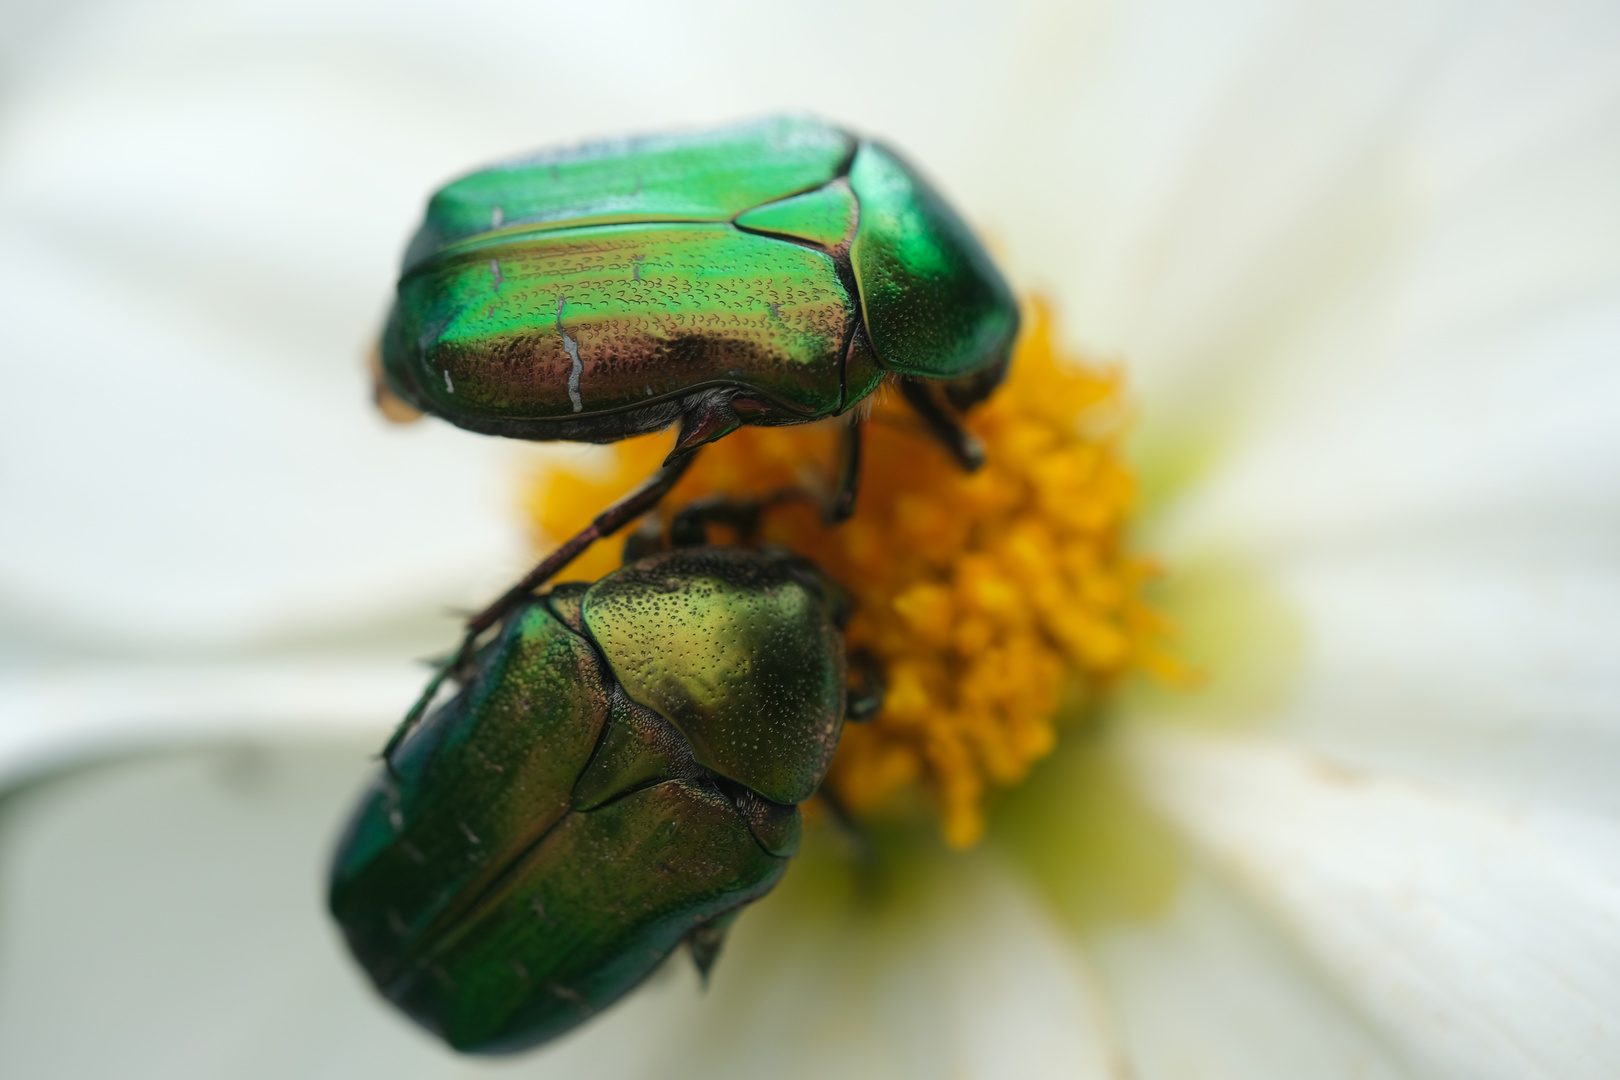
<point x="768" y="273"/>
<point x="619" y="772"/>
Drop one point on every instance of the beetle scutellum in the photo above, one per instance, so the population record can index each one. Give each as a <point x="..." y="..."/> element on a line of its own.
<point x="619" y="772"/>
<point x="768" y="273"/>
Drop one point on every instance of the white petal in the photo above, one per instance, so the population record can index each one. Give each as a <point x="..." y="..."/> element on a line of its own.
<point x="1480" y="427"/>
<point x="1484" y="939"/>
<point x="1212" y="990"/>
<point x="961" y="974"/>
<point x="1381" y="236"/>
<point x="1478" y="657"/>
<point x="200" y="213"/>
<point x="163" y="916"/>
<point x="57" y="715"/>
<point x="1431" y="339"/>
<point x="174" y="474"/>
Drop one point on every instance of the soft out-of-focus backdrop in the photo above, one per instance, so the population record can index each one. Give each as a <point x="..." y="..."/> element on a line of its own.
<point x="203" y="206"/>
<point x="1354" y="255"/>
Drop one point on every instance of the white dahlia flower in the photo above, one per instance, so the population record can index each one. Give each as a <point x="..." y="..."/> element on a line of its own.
<point x="1360" y="264"/>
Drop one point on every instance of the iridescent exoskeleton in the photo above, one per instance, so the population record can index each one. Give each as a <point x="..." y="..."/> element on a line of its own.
<point x="619" y="772"/>
<point x="768" y="273"/>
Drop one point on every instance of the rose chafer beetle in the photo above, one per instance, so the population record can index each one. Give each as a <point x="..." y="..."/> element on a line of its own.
<point x="619" y="772"/>
<point x="621" y="768"/>
<point x="769" y="273"/>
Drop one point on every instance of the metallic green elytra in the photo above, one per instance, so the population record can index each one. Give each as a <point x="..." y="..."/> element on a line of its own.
<point x="767" y="273"/>
<point x="619" y="772"/>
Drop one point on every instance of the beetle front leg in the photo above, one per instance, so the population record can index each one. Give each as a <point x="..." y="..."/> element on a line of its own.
<point x="962" y="445"/>
<point x="608" y="522"/>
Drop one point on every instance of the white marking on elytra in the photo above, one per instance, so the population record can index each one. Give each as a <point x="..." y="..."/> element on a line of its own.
<point x="449" y="386"/>
<point x="635" y="268"/>
<point x="495" y="268"/>
<point x="572" y="348"/>
<point x="496" y="217"/>
<point x="540" y="910"/>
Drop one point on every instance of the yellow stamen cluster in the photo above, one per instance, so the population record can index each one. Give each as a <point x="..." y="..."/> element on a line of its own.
<point x="988" y="598"/>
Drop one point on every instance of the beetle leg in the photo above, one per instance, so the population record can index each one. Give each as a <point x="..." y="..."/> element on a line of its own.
<point x="842" y="504"/>
<point x="866" y="687"/>
<point x="967" y="391"/>
<point x="689" y="527"/>
<point x="608" y="522"/>
<point x="704" y="942"/>
<point x="443" y="669"/>
<point x="859" y="843"/>
<point x="420" y="706"/>
<point x="836" y="506"/>
<point x="962" y="446"/>
<point x="709" y="416"/>
<point x="645" y="539"/>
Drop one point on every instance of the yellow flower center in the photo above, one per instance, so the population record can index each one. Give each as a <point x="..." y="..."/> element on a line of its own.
<point x="988" y="598"/>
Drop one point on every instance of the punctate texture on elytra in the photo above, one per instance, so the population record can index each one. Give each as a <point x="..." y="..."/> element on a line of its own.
<point x="544" y="839"/>
<point x="739" y="665"/>
<point x="585" y="293"/>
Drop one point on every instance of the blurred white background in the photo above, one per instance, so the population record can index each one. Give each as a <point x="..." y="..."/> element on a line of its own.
<point x="1364" y="255"/>
<point x="202" y="205"/>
